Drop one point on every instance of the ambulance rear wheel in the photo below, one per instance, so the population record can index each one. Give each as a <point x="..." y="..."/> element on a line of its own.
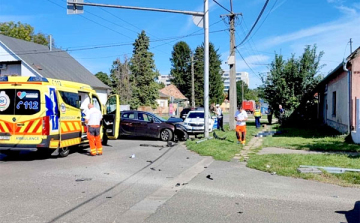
<point x="64" y="152"/>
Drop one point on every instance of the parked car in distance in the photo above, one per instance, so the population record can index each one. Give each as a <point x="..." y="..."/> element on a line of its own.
<point x="146" y="124"/>
<point x="194" y="122"/>
<point x="185" y="111"/>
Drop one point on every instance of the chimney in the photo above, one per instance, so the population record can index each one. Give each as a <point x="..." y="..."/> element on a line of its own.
<point x="50" y="42"/>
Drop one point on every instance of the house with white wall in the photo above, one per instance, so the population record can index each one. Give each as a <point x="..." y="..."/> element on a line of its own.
<point x="23" y="58"/>
<point x="338" y="92"/>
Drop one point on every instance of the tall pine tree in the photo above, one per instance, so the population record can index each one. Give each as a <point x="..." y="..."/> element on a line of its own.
<point x="181" y="67"/>
<point x="143" y="74"/>
<point x="216" y="85"/>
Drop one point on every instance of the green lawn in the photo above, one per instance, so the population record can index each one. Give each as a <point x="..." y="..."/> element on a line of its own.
<point x="287" y="164"/>
<point x="311" y="138"/>
<point x="222" y="149"/>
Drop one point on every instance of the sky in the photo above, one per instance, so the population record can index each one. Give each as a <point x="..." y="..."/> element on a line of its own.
<point x="100" y="35"/>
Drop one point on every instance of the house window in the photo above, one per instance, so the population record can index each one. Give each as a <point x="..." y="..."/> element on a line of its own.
<point x="334" y="104"/>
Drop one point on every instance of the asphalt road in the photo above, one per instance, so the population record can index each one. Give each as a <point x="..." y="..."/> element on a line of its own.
<point x="177" y="186"/>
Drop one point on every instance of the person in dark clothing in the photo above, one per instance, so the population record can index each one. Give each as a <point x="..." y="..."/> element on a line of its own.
<point x="269" y="115"/>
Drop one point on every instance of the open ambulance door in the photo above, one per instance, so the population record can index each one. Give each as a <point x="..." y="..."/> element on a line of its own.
<point x="112" y="117"/>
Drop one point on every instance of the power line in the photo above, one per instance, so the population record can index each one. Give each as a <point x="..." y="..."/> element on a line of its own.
<point x="248" y="65"/>
<point x="259" y="16"/>
<point x="107" y="46"/>
<point x="222" y="6"/>
<point x="265" y="18"/>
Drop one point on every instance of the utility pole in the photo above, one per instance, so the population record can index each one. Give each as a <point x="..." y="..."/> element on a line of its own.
<point x="231" y="61"/>
<point x="192" y="82"/>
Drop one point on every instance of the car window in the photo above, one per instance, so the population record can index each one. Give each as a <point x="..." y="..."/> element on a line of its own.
<point x="128" y="115"/>
<point x="196" y="115"/>
<point x="145" y="117"/>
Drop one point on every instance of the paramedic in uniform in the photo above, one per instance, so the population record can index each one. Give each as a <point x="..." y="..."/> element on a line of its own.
<point x="93" y="119"/>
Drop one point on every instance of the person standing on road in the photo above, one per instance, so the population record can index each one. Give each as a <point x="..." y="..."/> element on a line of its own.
<point x="219" y="115"/>
<point x="93" y="119"/>
<point x="257" y="115"/>
<point x="241" y="118"/>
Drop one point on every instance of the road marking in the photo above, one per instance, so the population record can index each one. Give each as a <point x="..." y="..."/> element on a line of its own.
<point x="148" y="206"/>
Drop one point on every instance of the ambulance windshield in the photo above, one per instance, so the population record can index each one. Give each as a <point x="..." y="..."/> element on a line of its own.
<point x="19" y="102"/>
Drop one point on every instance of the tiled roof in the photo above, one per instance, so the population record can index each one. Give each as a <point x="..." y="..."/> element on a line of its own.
<point x="56" y="64"/>
<point x="172" y="90"/>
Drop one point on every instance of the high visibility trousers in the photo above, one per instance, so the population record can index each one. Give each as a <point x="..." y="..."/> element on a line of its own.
<point x="240" y="133"/>
<point x="93" y="135"/>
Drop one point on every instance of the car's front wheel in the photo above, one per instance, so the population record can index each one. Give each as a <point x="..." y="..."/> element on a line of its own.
<point x="166" y="135"/>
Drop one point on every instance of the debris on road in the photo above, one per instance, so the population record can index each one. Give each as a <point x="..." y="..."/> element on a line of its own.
<point x="170" y="144"/>
<point x="273" y="173"/>
<point x="177" y="185"/>
<point x="209" y="177"/>
<point x="150" y="145"/>
<point x="149" y="161"/>
<point x="152" y="168"/>
<point x="185" y="183"/>
<point x="269" y="133"/>
<point x="203" y="140"/>
<point x="217" y="137"/>
<point x="83" y="179"/>
<point x="187" y="158"/>
<point x="108" y="197"/>
<point x="107" y="173"/>
<point x="132" y="156"/>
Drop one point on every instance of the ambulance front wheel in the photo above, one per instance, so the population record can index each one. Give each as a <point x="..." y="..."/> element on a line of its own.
<point x="64" y="152"/>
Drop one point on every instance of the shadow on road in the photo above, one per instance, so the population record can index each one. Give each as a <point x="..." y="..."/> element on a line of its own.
<point x="352" y="216"/>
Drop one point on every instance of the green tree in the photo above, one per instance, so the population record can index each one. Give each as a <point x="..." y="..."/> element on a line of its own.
<point x="143" y="74"/>
<point x="181" y="67"/>
<point x="239" y="91"/>
<point x="104" y="77"/>
<point x="23" y="31"/>
<point x="120" y="80"/>
<point x="252" y="94"/>
<point x="216" y="85"/>
<point x="292" y="80"/>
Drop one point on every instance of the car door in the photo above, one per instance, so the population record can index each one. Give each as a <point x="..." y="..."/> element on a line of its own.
<point x="142" y="126"/>
<point x="153" y="126"/>
<point x="112" y="117"/>
<point x="128" y="123"/>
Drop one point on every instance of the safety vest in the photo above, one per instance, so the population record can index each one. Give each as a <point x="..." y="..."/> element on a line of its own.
<point x="257" y="113"/>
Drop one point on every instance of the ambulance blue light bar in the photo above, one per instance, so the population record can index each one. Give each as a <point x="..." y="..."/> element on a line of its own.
<point x="3" y="79"/>
<point x="38" y="79"/>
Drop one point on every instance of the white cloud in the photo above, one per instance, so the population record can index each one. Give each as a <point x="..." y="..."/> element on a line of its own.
<point x="347" y="10"/>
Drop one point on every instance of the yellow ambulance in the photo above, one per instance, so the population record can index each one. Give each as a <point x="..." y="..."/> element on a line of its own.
<point x="43" y="114"/>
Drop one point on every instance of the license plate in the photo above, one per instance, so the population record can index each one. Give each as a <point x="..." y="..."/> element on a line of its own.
<point x="198" y="128"/>
<point x="4" y="137"/>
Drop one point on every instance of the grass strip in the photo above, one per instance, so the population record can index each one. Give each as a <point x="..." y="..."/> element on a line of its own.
<point x="222" y="149"/>
<point x="314" y="138"/>
<point x="287" y="164"/>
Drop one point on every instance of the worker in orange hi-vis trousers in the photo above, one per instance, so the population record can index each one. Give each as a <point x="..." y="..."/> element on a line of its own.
<point x="93" y="119"/>
<point x="241" y="118"/>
